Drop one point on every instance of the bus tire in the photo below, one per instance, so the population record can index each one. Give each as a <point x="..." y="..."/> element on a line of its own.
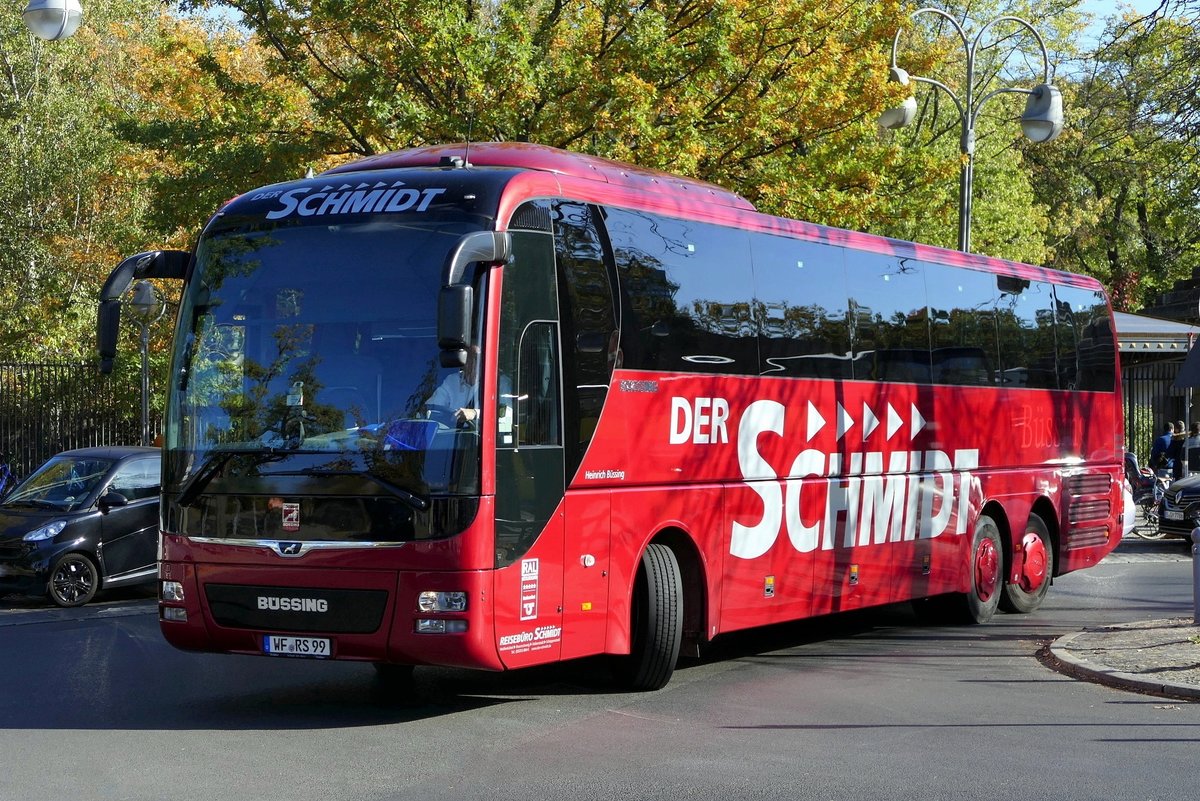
<point x="986" y="569"/>
<point x="1033" y="566"/>
<point x="656" y="623"/>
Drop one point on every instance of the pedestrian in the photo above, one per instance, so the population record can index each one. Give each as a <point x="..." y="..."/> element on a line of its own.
<point x="1175" y="450"/>
<point x="1158" y="450"/>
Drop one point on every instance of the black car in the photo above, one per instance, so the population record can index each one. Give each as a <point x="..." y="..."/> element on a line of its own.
<point x="1179" y="510"/>
<point x="86" y="519"/>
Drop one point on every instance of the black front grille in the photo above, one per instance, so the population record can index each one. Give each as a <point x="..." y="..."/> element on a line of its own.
<point x="306" y="609"/>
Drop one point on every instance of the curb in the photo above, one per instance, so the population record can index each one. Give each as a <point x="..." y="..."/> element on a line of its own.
<point x="1061" y="659"/>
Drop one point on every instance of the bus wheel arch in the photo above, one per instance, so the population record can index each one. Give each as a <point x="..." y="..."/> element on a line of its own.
<point x="1031" y="561"/>
<point x="656" y="620"/>
<point x="694" y="594"/>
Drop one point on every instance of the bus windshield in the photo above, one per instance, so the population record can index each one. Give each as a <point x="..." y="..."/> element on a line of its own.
<point x="310" y="349"/>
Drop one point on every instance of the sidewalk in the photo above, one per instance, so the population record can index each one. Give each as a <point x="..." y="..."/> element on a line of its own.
<point x="1161" y="657"/>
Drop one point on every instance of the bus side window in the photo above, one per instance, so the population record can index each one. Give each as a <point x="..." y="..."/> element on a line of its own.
<point x="1025" y="326"/>
<point x="800" y="308"/>
<point x="1085" y="339"/>
<point x="683" y="284"/>
<point x="889" y="318"/>
<point x="590" y="328"/>
<point x="962" y="325"/>
<point x="537" y="387"/>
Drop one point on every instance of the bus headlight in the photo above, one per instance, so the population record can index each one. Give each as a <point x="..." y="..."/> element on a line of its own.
<point x="172" y="591"/>
<point x="431" y="601"/>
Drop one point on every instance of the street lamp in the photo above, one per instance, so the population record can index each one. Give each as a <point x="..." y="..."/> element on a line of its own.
<point x="147" y="306"/>
<point x="1041" y="121"/>
<point x="52" y="19"/>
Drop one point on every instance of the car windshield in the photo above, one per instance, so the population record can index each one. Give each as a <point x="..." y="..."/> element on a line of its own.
<point x="62" y="483"/>
<point x="310" y="347"/>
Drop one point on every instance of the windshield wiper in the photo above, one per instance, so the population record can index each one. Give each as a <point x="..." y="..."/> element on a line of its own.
<point x="414" y="500"/>
<point x="214" y="463"/>
<point x="34" y="502"/>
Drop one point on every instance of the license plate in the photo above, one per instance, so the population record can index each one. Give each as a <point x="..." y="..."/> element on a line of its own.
<point x="317" y="647"/>
<point x="1172" y="514"/>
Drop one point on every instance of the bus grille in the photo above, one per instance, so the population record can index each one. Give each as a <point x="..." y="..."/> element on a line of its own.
<point x="1090" y="484"/>
<point x="1081" y="510"/>
<point x="309" y="609"/>
<point x="1088" y="537"/>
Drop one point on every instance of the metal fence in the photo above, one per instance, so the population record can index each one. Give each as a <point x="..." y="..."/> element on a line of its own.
<point x="1150" y="401"/>
<point x="47" y="408"/>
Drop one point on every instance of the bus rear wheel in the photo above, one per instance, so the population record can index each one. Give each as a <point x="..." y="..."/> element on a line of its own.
<point x="656" y="626"/>
<point x="1032" y="566"/>
<point x="986" y="572"/>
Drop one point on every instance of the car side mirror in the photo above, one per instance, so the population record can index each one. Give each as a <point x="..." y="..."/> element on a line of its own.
<point x="111" y="499"/>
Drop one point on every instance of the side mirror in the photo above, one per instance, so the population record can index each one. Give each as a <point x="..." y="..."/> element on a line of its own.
<point x="153" y="264"/>
<point x="454" y="323"/>
<point x="457" y="299"/>
<point x="111" y="499"/>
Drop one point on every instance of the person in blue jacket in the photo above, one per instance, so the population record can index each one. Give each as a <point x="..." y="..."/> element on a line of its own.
<point x="1158" y="450"/>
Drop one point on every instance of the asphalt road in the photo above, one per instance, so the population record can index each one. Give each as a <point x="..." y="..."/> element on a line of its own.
<point x="94" y="705"/>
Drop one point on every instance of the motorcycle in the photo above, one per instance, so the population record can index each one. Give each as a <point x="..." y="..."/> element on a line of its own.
<point x="1147" y="489"/>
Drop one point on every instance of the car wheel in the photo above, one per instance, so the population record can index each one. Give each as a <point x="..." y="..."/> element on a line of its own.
<point x="74" y="580"/>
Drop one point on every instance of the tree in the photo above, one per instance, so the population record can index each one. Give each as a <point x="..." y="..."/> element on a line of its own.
<point x="1124" y="184"/>
<point x="1008" y="219"/>
<point x="70" y="196"/>
<point x="776" y="101"/>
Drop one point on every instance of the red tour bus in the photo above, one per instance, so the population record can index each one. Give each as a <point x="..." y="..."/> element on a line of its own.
<point x="506" y="405"/>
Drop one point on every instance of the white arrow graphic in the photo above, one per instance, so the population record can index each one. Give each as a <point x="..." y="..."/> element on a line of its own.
<point x="894" y="422"/>
<point x="845" y="422"/>
<point x="815" y="421"/>
<point x="918" y="422"/>
<point x="870" y="421"/>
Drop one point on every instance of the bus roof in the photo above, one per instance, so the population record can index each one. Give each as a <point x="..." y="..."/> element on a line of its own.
<point x="525" y="155"/>
<point x="690" y="197"/>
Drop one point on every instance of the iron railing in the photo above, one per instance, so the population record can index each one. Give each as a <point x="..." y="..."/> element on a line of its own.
<point x="48" y="408"/>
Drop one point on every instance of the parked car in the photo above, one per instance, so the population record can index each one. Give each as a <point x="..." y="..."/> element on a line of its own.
<point x="85" y="520"/>
<point x="1179" y="510"/>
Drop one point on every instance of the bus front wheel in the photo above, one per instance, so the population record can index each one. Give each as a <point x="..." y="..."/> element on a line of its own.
<point x="656" y="628"/>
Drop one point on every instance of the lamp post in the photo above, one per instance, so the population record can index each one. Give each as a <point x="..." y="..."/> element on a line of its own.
<point x="147" y="306"/>
<point x="52" y="19"/>
<point x="1041" y="121"/>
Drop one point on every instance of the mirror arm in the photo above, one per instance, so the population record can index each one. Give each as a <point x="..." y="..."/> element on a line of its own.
<point x="489" y="246"/>
<point x="152" y="264"/>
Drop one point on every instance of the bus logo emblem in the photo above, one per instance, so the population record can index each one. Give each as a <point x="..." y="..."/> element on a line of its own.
<point x="529" y="589"/>
<point x="291" y="517"/>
